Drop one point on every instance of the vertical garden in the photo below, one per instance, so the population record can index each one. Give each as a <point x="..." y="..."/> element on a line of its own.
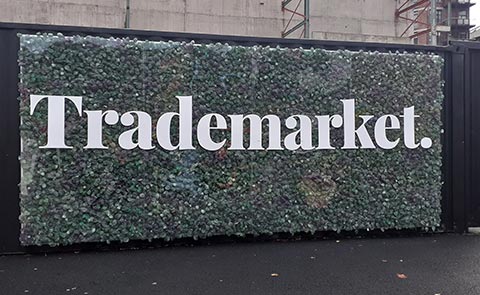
<point x="81" y="195"/>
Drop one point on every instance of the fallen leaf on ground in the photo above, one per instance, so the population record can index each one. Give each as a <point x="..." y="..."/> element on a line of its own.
<point x="401" y="276"/>
<point x="274" y="275"/>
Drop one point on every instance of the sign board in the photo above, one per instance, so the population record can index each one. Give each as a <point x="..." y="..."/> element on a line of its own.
<point x="125" y="139"/>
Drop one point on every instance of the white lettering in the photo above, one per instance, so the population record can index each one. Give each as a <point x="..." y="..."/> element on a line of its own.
<point x="204" y="128"/>
<point x="56" y="118"/>
<point x="185" y="126"/>
<point x="140" y="136"/>
<point x="274" y="132"/>
<point x="350" y="133"/>
<point x="381" y="131"/>
<point x="143" y="131"/>
<point x="302" y="138"/>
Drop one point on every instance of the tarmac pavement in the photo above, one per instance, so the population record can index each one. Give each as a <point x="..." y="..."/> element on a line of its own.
<point x="443" y="264"/>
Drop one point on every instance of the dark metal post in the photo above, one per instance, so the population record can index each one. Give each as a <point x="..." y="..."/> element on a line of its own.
<point x="127" y="15"/>
<point x="433" y="21"/>
<point x="9" y="142"/>
<point x="459" y="172"/>
<point x="306" y="34"/>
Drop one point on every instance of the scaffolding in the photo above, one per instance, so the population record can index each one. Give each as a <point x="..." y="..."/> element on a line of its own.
<point x="304" y="18"/>
<point x="419" y="9"/>
<point x="425" y="17"/>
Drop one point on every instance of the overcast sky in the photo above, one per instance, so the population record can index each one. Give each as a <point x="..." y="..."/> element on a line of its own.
<point x="475" y="13"/>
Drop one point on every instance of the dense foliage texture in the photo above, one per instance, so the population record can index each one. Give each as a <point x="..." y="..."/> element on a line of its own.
<point x="79" y="195"/>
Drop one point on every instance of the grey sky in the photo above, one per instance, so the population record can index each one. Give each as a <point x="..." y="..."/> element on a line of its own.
<point x="475" y="13"/>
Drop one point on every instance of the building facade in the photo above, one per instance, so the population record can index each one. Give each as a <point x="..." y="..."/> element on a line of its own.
<point x="452" y="20"/>
<point x="346" y="20"/>
<point x="460" y="19"/>
<point x="356" y="20"/>
<point x="475" y="34"/>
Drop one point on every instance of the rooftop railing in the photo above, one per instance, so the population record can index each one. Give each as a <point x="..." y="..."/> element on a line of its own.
<point x="460" y="21"/>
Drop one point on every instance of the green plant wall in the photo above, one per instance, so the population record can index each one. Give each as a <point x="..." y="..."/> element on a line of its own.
<point x="79" y="195"/>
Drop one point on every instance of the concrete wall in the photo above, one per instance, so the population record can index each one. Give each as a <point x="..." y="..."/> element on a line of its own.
<point x="234" y="17"/>
<point x="358" y="20"/>
<point x="104" y="13"/>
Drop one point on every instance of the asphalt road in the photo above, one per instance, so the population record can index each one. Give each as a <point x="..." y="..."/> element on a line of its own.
<point x="440" y="264"/>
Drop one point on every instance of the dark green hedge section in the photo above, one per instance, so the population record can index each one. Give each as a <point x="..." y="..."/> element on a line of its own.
<point x="79" y="195"/>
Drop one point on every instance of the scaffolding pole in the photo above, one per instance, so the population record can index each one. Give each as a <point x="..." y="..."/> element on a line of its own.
<point x="306" y="34"/>
<point x="433" y="21"/>
<point x="421" y="8"/>
<point x="127" y="14"/>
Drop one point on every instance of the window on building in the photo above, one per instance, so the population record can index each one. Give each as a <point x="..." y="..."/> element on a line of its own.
<point x="439" y="16"/>
<point x="463" y="17"/>
<point x="462" y="35"/>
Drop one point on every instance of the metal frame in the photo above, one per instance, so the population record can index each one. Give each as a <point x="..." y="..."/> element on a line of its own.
<point x="305" y="18"/>
<point x="408" y="6"/>
<point x="458" y="137"/>
<point x="455" y="171"/>
<point x="9" y="142"/>
<point x="471" y="93"/>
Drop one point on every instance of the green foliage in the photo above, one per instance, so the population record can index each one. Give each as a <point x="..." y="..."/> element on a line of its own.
<point x="71" y="196"/>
